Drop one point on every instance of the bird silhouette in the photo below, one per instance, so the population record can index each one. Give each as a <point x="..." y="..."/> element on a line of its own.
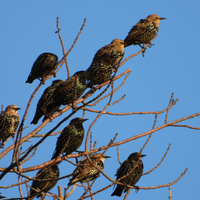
<point x="144" y="31"/>
<point x="49" y="172"/>
<point x="86" y="172"/>
<point x="44" y="64"/>
<point x="47" y="105"/>
<point x="9" y="121"/>
<point x="133" y="163"/>
<point x="70" y="138"/>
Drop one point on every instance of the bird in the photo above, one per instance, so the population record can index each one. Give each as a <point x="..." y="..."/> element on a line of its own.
<point x="9" y="121"/>
<point x="70" y="138"/>
<point x="46" y="105"/>
<point x="133" y="160"/>
<point x="71" y="89"/>
<point x="44" y="64"/>
<point x="104" y="61"/>
<point x="86" y="172"/>
<point x="99" y="71"/>
<point x="144" y="31"/>
<point x="49" y="172"/>
<point x="115" y="50"/>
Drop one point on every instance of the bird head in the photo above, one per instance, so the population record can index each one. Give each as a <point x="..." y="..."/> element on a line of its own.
<point x="135" y="156"/>
<point x="12" y="109"/>
<point x="155" y="18"/>
<point x="77" y="121"/>
<point x="99" y="156"/>
<point x="118" y="42"/>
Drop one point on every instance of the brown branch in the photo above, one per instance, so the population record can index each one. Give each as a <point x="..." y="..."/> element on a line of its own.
<point x="170" y="102"/>
<point x="118" y="155"/>
<point x="63" y="47"/>
<point x="159" y="162"/>
<point x="187" y="126"/>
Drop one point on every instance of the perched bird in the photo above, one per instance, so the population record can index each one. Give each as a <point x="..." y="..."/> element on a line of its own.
<point x="104" y="61"/>
<point x="70" y="138"/>
<point x="99" y="71"/>
<point x="144" y="31"/>
<point x="115" y="50"/>
<point x="44" y="64"/>
<point x="133" y="160"/>
<point x="86" y="172"/>
<point x="71" y="89"/>
<point x="9" y="121"/>
<point x="46" y="105"/>
<point x="49" y="172"/>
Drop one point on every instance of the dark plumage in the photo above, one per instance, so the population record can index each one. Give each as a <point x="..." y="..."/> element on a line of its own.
<point x="71" y="89"/>
<point x="87" y="172"/>
<point x="104" y="60"/>
<point x="115" y="50"/>
<point x="51" y="172"/>
<point x="9" y="121"/>
<point x="47" y="105"/>
<point x="44" y="64"/>
<point x="70" y="138"/>
<point x="144" y="31"/>
<point x="99" y="71"/>
<point x="125" y="168"/>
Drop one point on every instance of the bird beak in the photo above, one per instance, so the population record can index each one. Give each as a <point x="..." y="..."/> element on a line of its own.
<point x="84" y="120"/>
<point x="18" y="108"/>
<point x="161" y="18"/>
<point x="143" y="155"/>
<point x="107" y="156"/>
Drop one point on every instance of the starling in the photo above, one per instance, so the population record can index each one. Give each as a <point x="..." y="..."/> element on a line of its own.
<point x="115" y="50"/>
<point x="44" y="64"/>
<point x="125" y="168"/>
<point x="9" y="121"/>
<point x="86" y="172"/>
<point x="49" y="172"/>
<point x="144" y="31"/>
<point x="71" y="89"/>
<point x="70" y="138"/>
<point x="46" y="105"/>
<point x="99" y="71"/>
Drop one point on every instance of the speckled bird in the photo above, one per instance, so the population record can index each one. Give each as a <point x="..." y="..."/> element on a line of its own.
<point x="44" y="64"/>
<point x="144" y="31"/>
<point x="51" y="172"/>
<point x="9" y="121"/>
<point x="87" y="172"/>
<point x="46" y="105"/>
<point x="70" y="138"/>
<point x="71" y="89"/>
<point x="99" y="71"/>
<point x="115" y="50"/>
<point x="125" y="168"/>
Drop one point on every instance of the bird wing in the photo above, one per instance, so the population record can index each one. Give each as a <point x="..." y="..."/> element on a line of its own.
<point x="139" y="28"/>
<point x="64" y="86"/>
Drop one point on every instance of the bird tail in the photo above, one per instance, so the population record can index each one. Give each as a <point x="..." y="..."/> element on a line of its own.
<point x="118" y="191"/>
<point x="30" y="79"/>
<point x="55" y="154"/>
<point x="37" y="116"/>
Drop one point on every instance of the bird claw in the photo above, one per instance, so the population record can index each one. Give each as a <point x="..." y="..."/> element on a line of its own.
<point x="54" y="74"/>
<point x="137" y="188"/>
<point x="2" y="145"/>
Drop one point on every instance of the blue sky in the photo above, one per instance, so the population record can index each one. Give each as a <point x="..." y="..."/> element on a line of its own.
<point x="28" y="29"/>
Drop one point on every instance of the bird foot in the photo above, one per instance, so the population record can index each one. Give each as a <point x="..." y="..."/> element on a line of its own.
<point x="54" y="74"/>
<point x="74" y="109"/>
<point x="42" y="80"/>
<point x="2" y="145"/>
<point x="150" y="45"/>
<point x="80" y="151"/>
<point x="137" y="188"/>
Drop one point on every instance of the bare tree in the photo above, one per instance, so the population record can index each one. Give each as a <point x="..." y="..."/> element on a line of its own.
<point x="19" y="157"/>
